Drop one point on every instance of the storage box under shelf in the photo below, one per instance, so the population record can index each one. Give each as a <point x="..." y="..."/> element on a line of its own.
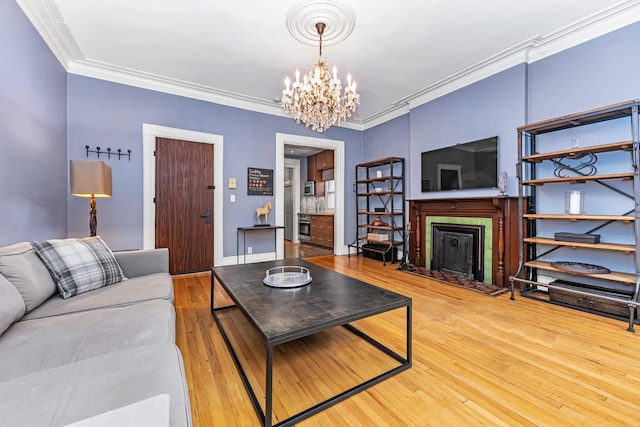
<point x="377" y="251"/>
<point x="591" y="301"/>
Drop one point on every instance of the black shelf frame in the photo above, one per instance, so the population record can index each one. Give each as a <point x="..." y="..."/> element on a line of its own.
<point x="388" y="192"/>
<point x="528" y="159"/>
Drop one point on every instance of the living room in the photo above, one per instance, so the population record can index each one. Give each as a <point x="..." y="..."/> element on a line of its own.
<point x="51" y="112"/>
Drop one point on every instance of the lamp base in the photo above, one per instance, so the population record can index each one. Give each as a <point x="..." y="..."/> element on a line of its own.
<point x="93" y="218"/>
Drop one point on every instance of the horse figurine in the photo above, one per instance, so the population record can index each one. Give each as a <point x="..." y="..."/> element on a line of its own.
<point x="263" y="211"/>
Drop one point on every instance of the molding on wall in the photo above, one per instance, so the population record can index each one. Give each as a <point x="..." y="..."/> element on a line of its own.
<point x="48" y="21"/>
<point x="295" y="190"/>
<point x="149" y="134"/>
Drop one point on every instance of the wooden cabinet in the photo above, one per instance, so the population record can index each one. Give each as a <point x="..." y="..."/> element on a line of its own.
<point x="560" y="254"/>
<point x="314" y="173"/>
<point x="324" y="160"/>
<point x="312" y="167"/>
<point x="322" y="230"/>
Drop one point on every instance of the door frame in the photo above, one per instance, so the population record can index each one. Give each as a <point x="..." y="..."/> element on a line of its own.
<point x="149" y="134"/>
<point x="338" y="148"/>
<point x="295" y="194"/>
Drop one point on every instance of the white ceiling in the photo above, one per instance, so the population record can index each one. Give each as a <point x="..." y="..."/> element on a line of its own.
<point x="401" y="52"/>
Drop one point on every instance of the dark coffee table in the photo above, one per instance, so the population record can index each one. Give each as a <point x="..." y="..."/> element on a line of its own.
<point x="330" y="300"/>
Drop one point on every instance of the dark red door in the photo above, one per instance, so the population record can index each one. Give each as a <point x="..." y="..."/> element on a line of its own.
<point x="184" y="204"/>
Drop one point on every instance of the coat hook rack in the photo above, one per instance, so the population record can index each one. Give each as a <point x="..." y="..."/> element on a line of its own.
<point x="109" y="153"/>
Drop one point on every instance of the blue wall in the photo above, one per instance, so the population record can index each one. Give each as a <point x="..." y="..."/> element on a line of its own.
<point x="490" y="107"/>
<point x="33" y="141"/>
<point x="599" y="72"/>
<point x="107" y="114"/>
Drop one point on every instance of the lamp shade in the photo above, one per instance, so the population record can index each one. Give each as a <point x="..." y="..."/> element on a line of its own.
<point x="90" y="178"/>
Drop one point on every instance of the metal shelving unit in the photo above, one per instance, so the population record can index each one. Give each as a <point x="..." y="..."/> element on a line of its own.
<point x="586" y="290"/>
<point x="380" y="193"/>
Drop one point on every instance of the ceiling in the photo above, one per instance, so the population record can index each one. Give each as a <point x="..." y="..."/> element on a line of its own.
<point x="401" y="53"/>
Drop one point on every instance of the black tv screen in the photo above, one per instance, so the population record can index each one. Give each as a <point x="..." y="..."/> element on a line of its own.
<point x="466" y="166"/>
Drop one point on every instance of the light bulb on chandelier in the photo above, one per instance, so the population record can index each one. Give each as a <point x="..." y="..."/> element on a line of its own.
<point x="317" y="101"/>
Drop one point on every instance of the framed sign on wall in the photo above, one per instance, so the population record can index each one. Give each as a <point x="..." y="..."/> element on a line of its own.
<point x="259" y="182"/>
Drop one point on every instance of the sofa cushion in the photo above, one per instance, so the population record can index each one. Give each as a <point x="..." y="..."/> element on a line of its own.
<point x="11" y="304"/>
<point x="80" y="390"/>
<point x="20" y="265"/>
<point x="151" y="412"/>
<point x="79" y="265"/>
<point x="131" y="291"/>
<point x="30" y="346"/>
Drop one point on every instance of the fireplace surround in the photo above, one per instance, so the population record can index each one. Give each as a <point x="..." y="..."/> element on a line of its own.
<point x="499" y="215"/>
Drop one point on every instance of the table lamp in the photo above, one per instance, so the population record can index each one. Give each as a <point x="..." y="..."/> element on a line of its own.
<point x="90" y="178"/>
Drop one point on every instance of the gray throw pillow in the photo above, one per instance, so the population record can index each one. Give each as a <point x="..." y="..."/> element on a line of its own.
<point x="20" y="265"/>
<point x="79" y="265"/>
<point x="11" y="307"/>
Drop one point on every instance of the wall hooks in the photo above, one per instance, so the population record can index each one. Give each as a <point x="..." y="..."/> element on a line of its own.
<point x="109" y="152"/>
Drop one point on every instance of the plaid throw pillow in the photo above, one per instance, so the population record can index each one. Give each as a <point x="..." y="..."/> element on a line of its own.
<point x="79" y="265"/>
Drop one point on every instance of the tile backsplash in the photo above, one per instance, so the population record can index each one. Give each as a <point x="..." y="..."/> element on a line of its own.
<point x="313" y="204"/>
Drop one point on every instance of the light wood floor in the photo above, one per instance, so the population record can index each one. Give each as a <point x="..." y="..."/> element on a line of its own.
<point x="477" y="361"/>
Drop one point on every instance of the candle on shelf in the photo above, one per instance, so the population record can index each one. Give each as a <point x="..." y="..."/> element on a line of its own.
<point x="575" y="202"/>
<point x="379" y="174"/>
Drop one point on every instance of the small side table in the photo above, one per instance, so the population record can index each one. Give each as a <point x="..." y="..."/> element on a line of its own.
<point x="244" y="230"/>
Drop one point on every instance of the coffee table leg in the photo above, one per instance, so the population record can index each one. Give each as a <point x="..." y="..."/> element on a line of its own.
<point x="268" y="410"/>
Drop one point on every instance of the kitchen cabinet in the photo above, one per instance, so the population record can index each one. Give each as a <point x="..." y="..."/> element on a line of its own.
<point x="322" y="230"/>
<point x="324" y="160"/>
<point x="312" y="167"/>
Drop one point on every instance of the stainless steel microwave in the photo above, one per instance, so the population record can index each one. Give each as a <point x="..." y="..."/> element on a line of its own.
<point x="310" y="188"/>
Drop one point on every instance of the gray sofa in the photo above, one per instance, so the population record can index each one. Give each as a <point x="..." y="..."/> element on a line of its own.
<point x="103" y="357"/>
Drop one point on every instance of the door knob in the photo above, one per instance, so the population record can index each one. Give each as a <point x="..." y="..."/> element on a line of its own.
<point x="207" y="217"/>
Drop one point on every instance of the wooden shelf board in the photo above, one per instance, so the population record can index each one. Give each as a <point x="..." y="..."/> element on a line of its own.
<point x="621" y="109"/>
<point x="605" y="246"/>
<point x="616" y="276"/>
<point x="381" y="179"/>
<point x="382" y="242"/>
<point x="625" y="218"/>
<point x="616" y="146"/>
<point x="379" y="227"/>
<point x="379" y="213"/>
<point x="381" y="162"/>
<point x="576" y="179"/>
<point x="379" y="193"/>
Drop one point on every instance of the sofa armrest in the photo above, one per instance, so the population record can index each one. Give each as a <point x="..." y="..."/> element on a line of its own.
<point x="143" y="262"/>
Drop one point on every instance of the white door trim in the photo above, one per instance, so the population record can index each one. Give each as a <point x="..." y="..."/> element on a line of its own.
<point x="338" y="148"/>
<point x="150" y="133"/>
<point x="295" y="193"/>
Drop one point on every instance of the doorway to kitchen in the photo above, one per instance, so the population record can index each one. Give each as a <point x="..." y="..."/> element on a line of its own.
<point x="338" y="148"/>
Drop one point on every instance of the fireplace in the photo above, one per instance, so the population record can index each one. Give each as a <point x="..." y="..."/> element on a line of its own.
<point x="498" y="215"/>
<point x="458" y="250"/>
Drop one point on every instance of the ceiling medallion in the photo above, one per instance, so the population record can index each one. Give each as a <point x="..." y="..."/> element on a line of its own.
<point x="338" y="17"/>
<point x="318" y="101"/>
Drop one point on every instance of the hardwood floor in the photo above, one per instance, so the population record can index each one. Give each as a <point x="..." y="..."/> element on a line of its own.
<point x="304" y="250"/>
<point x="477" y="361"/>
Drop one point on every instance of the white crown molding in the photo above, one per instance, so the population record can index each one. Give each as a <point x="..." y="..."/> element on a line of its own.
<point x="46" y="18"/>
<point x="48" y="21"/>
<point x="534" y="49"/>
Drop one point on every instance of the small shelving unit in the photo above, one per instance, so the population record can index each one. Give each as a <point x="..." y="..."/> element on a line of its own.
<point x="380" y="193"/>
<point x="614" y="293"/>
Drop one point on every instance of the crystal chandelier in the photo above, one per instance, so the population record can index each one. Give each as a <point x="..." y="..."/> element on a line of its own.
<point x="317" y="100"/>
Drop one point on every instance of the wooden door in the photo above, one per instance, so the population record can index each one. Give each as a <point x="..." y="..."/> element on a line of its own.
<point x="184" y="204"/>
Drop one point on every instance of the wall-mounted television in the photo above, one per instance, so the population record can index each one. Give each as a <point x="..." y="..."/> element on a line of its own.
<point x="465" y="166"/>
